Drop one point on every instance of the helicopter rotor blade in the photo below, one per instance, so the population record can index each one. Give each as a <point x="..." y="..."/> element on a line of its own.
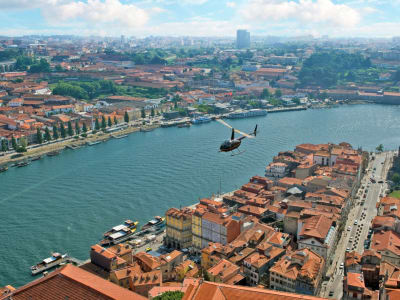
<point x="236" y="130"/>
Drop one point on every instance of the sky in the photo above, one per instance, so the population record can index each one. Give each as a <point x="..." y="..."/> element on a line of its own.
<point x="217" y="18"/>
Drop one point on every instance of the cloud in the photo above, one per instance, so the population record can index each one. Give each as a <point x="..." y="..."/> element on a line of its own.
<point x="230" y="4"/>
<point x="304" y="11"/>
<point x="24" y="4"/>
<point x="96" y="12"/>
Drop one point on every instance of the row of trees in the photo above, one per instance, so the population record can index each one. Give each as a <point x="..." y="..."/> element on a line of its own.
<point x="21" y="147"/>
<point x="85" y="90"/>
<point x="107" y="123"/>
<point x="60" y="131"/>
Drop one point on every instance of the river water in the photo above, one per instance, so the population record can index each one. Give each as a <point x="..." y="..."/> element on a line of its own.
<point x="65" y="203"/>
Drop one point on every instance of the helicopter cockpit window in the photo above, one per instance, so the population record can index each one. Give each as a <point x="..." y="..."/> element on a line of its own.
<point x="226" y="143"/>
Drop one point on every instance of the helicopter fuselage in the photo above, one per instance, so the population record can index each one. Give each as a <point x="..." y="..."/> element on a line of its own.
<point x="230" y="145"/>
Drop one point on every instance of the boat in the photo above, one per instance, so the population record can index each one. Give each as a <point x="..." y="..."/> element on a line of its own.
<point x="3" y="169"/>
<point x="156" y="222"/>
<point x="146" y="129"/>
<point x="200" y="120"/>
<point x="36" y="158"/>
<point x="22" y="164"/>
<point x="48" y="263"/>
<point x="119" y="136"/>
<point x="187" y="124"/>
<point x="119" y="233"/>
<point x="53" y="153"/>
<point x="93" y="143"/>
<point x="240" y="114"/>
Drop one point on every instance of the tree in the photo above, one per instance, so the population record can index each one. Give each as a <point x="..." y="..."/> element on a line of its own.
<point x="152" y="113"/>
<point x="97" y="124"/>
<point x="39" y="136"/>
<point x="84" y="128"/>
<point x="115" y="120"/>
<point x="4" y="145"/>
<point x="47" y="135"/>
<point x="14" y="143"/>
<point x="265" y="94"/>
<point x="143" y="113"/>
<point x="23" y="142"/>
<point x="109" y="121"/>
<point x="55" y="132"/>
<point x="70" y="130"/>
<point x="63" y="133"/>
<point x="170" y="295"/>
<point x="278" y="93"/>
<point x="379" y="148"/>
<point x="77" y="128"/>
<point x="103" y="122"/>
<point x="126" y="117"/>
<point x="396" y="178"/>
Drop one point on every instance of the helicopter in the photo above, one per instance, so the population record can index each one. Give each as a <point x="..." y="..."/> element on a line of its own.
<point x="234" y="143"/>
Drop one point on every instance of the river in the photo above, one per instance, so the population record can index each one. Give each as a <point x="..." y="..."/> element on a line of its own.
<point x="65" y="203"/>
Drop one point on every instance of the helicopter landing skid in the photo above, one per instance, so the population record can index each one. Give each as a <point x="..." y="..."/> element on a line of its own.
<point x="238" y="153"/>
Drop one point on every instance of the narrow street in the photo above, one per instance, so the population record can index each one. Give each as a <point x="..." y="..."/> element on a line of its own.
<point x="356" y="228"/>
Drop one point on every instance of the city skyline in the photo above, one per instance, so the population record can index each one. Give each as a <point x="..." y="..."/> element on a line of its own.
<point x="356" y="18"/>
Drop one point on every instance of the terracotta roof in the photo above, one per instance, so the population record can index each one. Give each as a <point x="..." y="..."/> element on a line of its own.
<point x="224" y="269"/>
<point x="388" y="240"/>
<point x="70" y="282"/>
<point x="150" y="261"/>
<point x="316" y="226"/>
<point x="220" y="291"/>
<point x="127" y="272"/>
<point x="355" y="280"/>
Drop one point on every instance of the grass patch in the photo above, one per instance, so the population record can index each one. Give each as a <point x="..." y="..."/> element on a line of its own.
<point x="395" y="194"/>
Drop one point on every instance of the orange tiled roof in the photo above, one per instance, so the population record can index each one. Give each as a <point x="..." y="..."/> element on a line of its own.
<point x="316" y="226"/>
<point x="75" y="284"/>
<point x="220" y="291"/>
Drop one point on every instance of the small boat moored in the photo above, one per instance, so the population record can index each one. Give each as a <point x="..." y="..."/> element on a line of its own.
<point x="156" y="222"/>
<point x="3" y="169"/>
<point x="93" y="143"/>
<point x="119" y="136"/>
<point x="53" y="153"/>
<point x="22" y="164"/>
<point x="119" y="233"/>
<point x="48" y="263"/>
<point x="36" y="158"/>
<point x="187" y="124"/>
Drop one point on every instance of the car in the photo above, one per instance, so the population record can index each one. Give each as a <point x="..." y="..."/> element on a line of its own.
<point x="348" y="228"/>
<point x="355" y="222"/>
<point x="148" y="249"/>
<point x="365" y="208"/>
<point x="341" y="266"/>
<point x="347" y="249"/>
<point x="331" y="293"/>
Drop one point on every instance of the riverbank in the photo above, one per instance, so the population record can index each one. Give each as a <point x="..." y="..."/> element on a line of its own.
<point x="61" y="145"/>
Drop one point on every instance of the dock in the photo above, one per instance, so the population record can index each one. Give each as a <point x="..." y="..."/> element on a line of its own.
<point x="284" y="109"/>
<point x="75" y="261"/>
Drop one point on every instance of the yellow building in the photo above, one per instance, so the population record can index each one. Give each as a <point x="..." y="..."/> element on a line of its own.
<point x="196" y="231"/>
<point x="179" y="228"/>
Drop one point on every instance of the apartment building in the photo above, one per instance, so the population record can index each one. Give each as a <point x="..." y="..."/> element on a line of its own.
<point x="179" y="228"/>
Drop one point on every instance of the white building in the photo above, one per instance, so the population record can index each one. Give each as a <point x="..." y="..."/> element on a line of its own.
<point x="276" y="170"/>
